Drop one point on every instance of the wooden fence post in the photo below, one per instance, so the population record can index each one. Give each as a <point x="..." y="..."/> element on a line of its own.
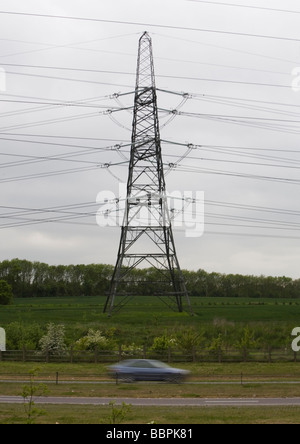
<point x="194" y="352"/>
<point x="270" y="354"/>
<point x="220" y="355"/>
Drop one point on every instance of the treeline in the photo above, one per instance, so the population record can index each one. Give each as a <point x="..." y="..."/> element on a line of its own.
<point x="35" y="279"/>
<point x="205" y="284"/>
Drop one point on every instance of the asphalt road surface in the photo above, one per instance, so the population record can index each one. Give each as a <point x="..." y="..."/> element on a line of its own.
<point x="162" y="402"/>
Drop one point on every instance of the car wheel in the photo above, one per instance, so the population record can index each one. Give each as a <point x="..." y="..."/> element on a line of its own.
<point x="176" y="379"/>
<point x="128" y="379"/>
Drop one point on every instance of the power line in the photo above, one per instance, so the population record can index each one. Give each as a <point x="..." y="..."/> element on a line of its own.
<point x="227" y="48"/>
<point x="258" y="105"/>
<point x="200" y="170"/>
<point x="66" y="215"/>
<point x="63" y="137"/>
<point x="70" y="79"/>
<point x="88" y="150"/>
<point x="278" y="125"/>
<point x="96" y="71"/>
<point x="238" y="82"/>
<point x="120" y="22"/>
<point x="178" y="168"/>
<point x="162" y="76"/>
<point x="60" y="120"/>
<point x="237" y="5"/>
<point x="121" y="143"/>
<point x="247" y="207"/>
<point x="55" y="101"/>
<point x="230" y="101"/>
<point x="96" y="166"/>
<point x="48" y="46"/>
<point x="285" y="126"/>
<point x="49" y="104"/>
<point x="230" y="117"/>
<point x="65" y="157"/>
<point x="96" y="149"/>
<point x="252" y="235"/>
<point x="50" y="121"/>
<point x="231" y="147"/>
<point x="69" y="208"/>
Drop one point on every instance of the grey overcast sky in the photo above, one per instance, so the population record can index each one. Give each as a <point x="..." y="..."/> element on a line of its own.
<point x="58" y="77"/>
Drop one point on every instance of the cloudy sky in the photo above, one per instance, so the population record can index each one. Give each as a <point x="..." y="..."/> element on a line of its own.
<point x="60" y="74"/>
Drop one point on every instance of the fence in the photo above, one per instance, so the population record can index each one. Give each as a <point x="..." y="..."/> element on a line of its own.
<point x="196" y="355"/>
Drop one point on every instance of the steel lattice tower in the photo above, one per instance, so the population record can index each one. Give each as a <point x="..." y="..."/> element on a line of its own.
<point x="146" y="237"/>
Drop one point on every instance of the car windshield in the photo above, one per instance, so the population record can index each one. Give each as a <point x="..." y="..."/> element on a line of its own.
<point x="158" y="364"/>
<point x="144" y="363"/>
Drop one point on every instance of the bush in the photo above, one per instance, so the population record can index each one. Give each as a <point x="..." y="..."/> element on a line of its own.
<point x="130" y="351"/>
<point x="95" y="340"/>
<point x="54" y="341"/>
<point x="247" y="339"/>
<point x="163" y="343"/>
<point x="19" y="336"/>
<point x="188" y="339"/>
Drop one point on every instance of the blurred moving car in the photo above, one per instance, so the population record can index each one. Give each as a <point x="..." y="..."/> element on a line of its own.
<point x="147" y="370"/>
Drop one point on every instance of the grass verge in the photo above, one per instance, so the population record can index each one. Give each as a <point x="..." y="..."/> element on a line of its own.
<point x="14" y="414"/>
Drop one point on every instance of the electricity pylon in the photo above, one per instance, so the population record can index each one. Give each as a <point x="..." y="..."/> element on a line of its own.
<point x="146" y="237"/>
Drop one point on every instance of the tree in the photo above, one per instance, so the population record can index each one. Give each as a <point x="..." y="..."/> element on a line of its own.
<point x="54" y="341"/>
<point x="118" y="415"/>
<point x="246" y="342"/>
<point x="247" y="339"/>
<point x="188" y="339"/>
<point x="31" y="392"/>
<point x="6" y="294"/>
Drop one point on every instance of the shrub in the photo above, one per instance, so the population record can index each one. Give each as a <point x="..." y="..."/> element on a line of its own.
<point x="247" y="340"/>
<point x="188" y="339"/>
<point x="129" y="351"/>
<point x="163" y="343"/>
<point x="95" y="340"/>
<point x="19" y="336"/>
<point x="54" y="341"/>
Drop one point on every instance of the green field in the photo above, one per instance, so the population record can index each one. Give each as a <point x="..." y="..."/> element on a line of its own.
<point x="272" y="320"/>
<point x="89" y="309"/>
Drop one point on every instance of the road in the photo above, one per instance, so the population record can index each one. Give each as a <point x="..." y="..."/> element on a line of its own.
<point x="161" y="402"/>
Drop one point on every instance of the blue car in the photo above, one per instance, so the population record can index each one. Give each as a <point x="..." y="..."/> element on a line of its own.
<point x="147" y="370"/>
